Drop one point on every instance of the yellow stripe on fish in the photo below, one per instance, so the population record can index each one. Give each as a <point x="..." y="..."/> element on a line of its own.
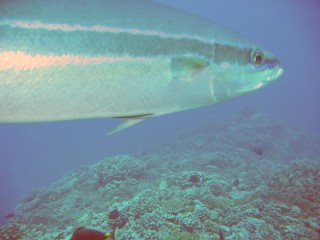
<point x="63" y="60"/>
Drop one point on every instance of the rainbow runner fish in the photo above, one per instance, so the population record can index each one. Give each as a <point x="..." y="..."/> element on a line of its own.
<point x="129" y="59"/>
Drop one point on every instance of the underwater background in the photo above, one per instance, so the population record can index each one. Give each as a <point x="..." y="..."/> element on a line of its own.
<point x="252" y="162"/>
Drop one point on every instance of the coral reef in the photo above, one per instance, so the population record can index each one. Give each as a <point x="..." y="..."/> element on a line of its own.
<point x="298" y="185"/>
<point x="12" y="231"/>
<point x="250" y="177"/>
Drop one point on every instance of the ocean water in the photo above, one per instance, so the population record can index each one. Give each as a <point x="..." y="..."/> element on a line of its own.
<point x="184" y="154"/>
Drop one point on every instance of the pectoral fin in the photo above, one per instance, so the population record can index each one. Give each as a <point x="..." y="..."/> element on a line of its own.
<point x="184" y="67"/>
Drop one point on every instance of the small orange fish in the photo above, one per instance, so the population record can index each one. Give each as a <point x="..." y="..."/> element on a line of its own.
<point x="83" y="233"/>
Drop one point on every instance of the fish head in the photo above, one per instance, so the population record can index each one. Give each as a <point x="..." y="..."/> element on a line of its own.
<point x="241" y="70"/>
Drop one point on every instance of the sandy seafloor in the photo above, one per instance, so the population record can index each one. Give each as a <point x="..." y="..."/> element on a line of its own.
<point x="248" y="177"/>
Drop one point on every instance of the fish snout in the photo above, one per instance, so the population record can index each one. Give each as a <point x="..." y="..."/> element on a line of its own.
<point x="272" y="63"/>
<point x="274" y="67"/>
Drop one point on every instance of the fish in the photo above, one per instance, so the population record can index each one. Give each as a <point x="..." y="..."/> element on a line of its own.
<point x="236" y="182"/>
<point x="129" y="59"/>
<point x="258" y="150"/>
<point x="83" y="233"/>
<point x="9" y="216"/>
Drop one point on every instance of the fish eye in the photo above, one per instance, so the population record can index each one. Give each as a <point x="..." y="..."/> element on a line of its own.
<point x="257" y="58"/>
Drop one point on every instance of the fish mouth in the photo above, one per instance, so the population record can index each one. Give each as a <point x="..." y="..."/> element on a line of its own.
<point x="280" y="72"/>
<point x="274" y="67"/>
<point x="275" y="75"/>
<point x="277" y="72"/>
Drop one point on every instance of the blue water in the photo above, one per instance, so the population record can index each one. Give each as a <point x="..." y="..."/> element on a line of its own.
<point x="34" y="155"/>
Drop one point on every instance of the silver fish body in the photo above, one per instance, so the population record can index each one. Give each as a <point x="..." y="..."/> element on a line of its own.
<point x="132" y="59"/>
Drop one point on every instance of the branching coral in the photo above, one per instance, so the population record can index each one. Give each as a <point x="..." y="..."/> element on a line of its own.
<point x="176" y="234"/>
<point x="189" y="179"/>
<point x="297" y="184"/>
<point x="218" y="186"/>
<point x="12" y="231"/>
<point x="174" y="205"/>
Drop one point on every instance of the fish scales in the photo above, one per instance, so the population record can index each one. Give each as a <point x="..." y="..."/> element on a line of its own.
<point x="62" y="60"/>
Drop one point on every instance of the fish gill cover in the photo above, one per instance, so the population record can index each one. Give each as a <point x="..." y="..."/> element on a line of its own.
<point x="208" y="184"/>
